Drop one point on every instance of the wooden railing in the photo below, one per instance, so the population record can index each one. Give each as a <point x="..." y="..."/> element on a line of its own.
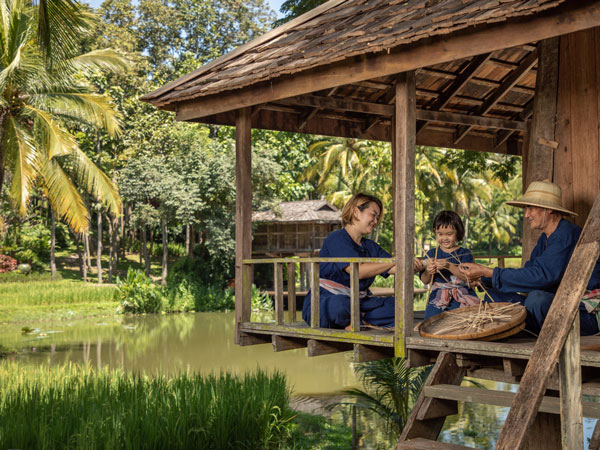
<point x="291" y="262"/>
<point x="500" y="258"/>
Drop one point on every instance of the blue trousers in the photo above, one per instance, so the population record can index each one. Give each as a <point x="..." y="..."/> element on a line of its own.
<point x="538" y="303"/>
<point x="335" y="311"/>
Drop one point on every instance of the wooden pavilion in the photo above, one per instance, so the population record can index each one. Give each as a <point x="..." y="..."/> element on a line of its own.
<point x="517" y="77"/>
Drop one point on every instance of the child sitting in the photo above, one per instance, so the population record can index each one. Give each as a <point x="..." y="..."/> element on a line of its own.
<point x="450" y="289"/>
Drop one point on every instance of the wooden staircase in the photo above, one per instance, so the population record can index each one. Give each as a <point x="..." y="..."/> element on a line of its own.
<point x="536" y="420"/>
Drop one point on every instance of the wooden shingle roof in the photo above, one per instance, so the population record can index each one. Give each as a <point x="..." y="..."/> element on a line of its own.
<point x="333" y="70"/>
<point x="341" y="30"/>
<point x="317" y="211"/>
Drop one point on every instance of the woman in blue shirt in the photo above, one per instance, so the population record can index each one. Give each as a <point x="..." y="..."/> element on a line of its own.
<point x="360" y="216"/>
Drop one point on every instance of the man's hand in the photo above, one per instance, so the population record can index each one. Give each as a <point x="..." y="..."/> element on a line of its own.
<point x="474" y="271"/>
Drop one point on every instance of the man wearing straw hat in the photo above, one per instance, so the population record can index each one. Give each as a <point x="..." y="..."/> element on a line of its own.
<point x="541" y="275"/>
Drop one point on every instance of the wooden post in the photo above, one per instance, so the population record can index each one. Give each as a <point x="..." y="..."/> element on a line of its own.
<point x="243" y="219"/>
<point x="354" y="298"/>
<point x="540" y="157"/>
<point x="278" y="287"/>
<point x="315" y="300"/>
<point x="291" y="289"/>
<point x="403" y="145"/>
<point x="569" y="369"/>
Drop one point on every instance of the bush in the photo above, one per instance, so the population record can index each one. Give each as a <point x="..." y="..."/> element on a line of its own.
<point x="7" y="264"/>
<point x="138" y="295"/>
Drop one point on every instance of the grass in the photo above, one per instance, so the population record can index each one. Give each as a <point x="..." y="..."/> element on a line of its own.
<point x="41" y="300"/>
<point x="74" y="407"/>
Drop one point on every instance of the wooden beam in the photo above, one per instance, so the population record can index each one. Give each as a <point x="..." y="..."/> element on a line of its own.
<point x="291" y="270"/>
<point x="470" y="120"/>
<point x="403" y="146"/>
<point x="315" y="297"/>
<point x="567" y="18"/>
<point x="507" y="84"/>
<point x="318" y="348"/>
<point x="283" y="343"/>
<point x="243" y="219"/>
<point x="278" y="287"/>
<point x="445" y="371"/>
<point x="459" y="82"/>
<point x="364" y="353"/>
<point x="553" y="335"/>
<point x="354" y="298"/>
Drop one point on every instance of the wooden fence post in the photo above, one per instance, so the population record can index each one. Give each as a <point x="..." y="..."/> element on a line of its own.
<point x="291" y="289"/>
<point x="354" y="298"/>
<point x="315" y="300"/>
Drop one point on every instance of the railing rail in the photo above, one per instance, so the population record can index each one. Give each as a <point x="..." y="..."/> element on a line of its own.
<point x="314" y="286"/>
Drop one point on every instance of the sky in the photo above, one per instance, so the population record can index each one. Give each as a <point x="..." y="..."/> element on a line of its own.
<point x="274" y="4"/>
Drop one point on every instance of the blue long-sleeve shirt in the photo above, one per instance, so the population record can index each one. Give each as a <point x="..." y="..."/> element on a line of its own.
<point x="546" y="266"/>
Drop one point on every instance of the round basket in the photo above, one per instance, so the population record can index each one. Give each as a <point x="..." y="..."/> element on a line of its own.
<point x="489" y="321"/>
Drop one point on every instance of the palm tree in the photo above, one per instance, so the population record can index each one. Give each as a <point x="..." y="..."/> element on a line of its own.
<point x="42" y="86"/>
<point x="391" y="390"/>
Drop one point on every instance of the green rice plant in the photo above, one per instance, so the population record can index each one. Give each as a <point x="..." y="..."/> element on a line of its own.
<point x="53" y="293"/>
<point x="74" y="407"/>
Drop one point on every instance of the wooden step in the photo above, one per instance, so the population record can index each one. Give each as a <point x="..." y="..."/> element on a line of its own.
<point x="499" y="398"/>
<point x="426" y="444"/>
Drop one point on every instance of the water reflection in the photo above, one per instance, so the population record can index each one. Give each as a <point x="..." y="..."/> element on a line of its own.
<point x="201" y="342"/>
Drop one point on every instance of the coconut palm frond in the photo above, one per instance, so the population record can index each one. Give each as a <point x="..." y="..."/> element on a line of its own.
<point x="23" y="151"/>
<point x="59" y="27"/>
<point x="97" y="182"/>
<point x="93" y="109"/>
<point x="63" y="195"/>
<point x="105" y="59"/>
<point x="56" y="140"/>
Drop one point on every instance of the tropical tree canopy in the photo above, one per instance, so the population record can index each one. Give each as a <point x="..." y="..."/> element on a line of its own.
<point x="43" y="86"/>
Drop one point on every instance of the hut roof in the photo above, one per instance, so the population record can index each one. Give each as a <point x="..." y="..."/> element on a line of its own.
<point x="333" y="70"/>
<point x="318" y="211"/>
<point x="340" y="30"/>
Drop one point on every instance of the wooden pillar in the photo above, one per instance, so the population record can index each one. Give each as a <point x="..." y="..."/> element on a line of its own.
<point x="569" y="369"/>
<point x="577" y="158"/>
<point x="243" y="220"/>
<point x="539" y="158"/>
<point x="403" y="147"/>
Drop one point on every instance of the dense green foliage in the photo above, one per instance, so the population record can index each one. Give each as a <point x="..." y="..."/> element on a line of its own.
<point x="75" y="407"/>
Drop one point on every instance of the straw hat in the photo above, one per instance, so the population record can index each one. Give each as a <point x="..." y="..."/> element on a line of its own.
<point x="543" y="194"/>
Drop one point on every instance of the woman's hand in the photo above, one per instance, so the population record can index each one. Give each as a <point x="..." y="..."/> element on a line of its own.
<point x="418" y="265"/>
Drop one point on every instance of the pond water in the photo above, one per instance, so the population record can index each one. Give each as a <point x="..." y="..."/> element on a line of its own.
<point x="203" y="342"/>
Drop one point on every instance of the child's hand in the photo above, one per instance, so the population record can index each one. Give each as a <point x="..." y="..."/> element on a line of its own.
<point x="431" y="267"/>
<point x="442" y="264"/>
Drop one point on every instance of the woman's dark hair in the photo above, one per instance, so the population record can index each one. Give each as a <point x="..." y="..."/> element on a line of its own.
<point x="360" y="201"/>
<point x="450" y="219"/>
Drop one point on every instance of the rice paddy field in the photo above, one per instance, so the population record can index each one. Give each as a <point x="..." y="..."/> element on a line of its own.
<point x="60" y="299"/>
<point x="75" y="407"/>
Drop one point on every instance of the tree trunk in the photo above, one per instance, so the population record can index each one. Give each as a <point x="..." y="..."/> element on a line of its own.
<point x="87" y="251"/>
<point x="145" y="251"/>
<point x="151" y="241"/>
<point x="188" y="248"/>
<point x="3" y="127"/>
<point x="99" y="253"/>
<point x="142" y="240"/>
<point x="111" y="249"/>
<point x="53" y="243"/>
<point x="84" y="265"/>
<point x="165" y="250"/>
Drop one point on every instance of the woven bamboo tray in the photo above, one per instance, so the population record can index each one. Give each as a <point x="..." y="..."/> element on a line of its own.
<point x="488" y="321"/>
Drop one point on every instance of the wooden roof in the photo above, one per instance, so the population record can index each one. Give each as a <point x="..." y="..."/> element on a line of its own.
<point x="317" y="211"/>
<point x="332" y="70"/>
